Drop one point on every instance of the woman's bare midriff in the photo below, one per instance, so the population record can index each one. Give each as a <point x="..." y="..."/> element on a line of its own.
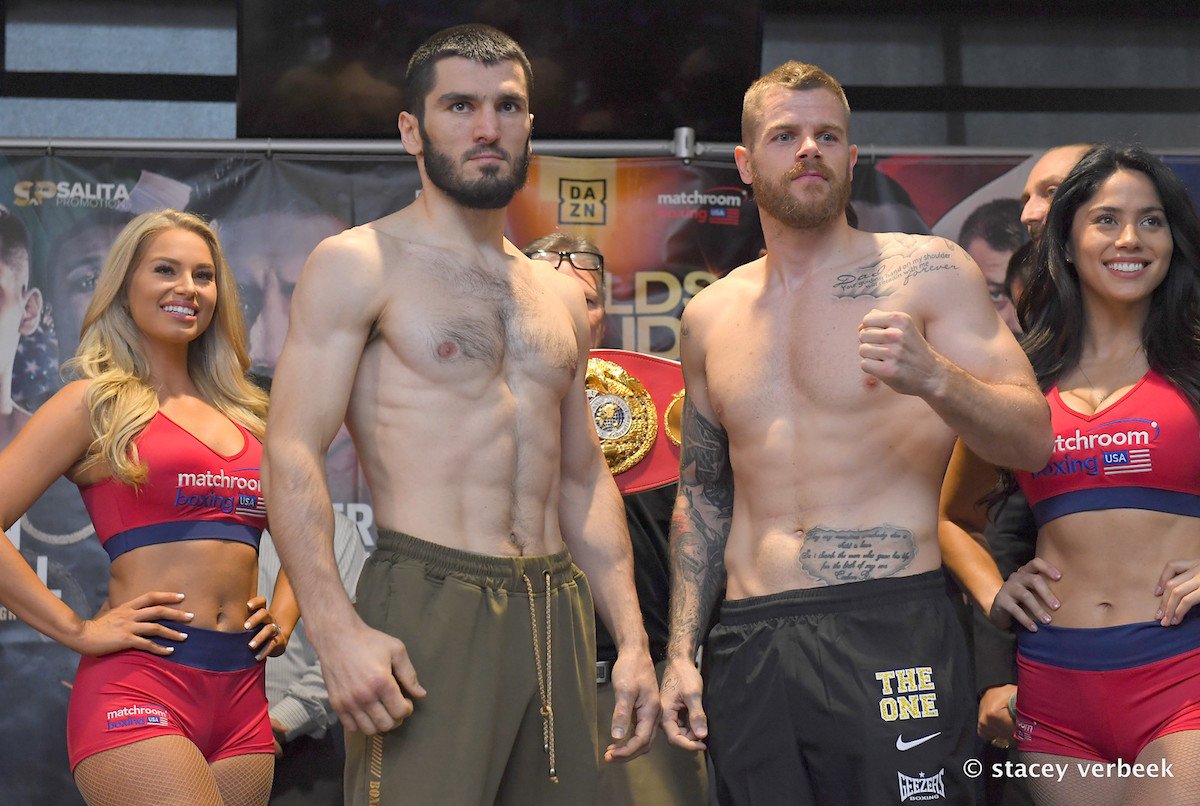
<point x="217" y="579"/>
<point x="1110" y="562"/>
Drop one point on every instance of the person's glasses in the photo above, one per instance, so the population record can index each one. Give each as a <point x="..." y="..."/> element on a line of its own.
<point x="584" y="261"/>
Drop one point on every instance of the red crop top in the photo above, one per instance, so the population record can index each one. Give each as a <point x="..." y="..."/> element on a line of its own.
<point x="1143" y="452"/>
<point x="192" y="493"/>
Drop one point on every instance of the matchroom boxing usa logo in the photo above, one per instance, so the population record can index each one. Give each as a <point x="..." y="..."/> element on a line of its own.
<point x="229" y="493"/>
<point x="719" y="205"/>
<point x="1117" y="447"/>
<point x="135" y="716"/>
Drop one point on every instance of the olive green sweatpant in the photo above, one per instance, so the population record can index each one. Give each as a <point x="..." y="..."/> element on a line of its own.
<point x="477" y="736"/>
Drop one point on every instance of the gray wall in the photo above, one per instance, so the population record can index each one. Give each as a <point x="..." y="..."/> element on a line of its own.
<point x="120" y="36"/>
<point x="1064" y="53"/>
<point x="201" y="38"/>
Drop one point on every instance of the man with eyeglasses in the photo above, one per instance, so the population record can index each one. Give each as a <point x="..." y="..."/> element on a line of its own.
<point x="581" y="259"/>
<point x="458" y="365"/>
<point x="666" y="775"/>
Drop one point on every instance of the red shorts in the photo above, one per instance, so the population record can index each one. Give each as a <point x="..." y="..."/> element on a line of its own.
<point x="1104" y="694"/>
<point x="211" y="691"/>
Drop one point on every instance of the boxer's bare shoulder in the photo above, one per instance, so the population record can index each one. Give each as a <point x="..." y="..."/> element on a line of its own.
<point x="565" y="288"/>
<point x="738" y="281"/>
<point x="379" y="250"/>
<point x="351" y="261"/>
<point x="726" y="296"/>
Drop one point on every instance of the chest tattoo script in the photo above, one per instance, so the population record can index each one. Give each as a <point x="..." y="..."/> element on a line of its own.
<point x="884" y="279"/>
<point x="834" y="556"/>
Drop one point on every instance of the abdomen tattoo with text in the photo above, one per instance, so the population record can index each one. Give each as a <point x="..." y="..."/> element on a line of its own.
<point x="834" y="556"/>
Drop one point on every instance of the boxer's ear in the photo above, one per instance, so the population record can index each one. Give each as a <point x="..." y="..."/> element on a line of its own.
<point x="410" y="134"/>
<point x="31" y="316"/>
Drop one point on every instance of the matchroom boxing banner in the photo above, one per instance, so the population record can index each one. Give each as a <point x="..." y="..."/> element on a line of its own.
<point x="667" y="228"/>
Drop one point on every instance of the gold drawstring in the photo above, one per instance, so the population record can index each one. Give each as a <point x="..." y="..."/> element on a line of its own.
<point x="545" y="678"/>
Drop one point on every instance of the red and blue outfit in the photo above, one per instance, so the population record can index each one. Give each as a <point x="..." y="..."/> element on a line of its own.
<point x="192" y="493"/>
<point x="1104" y="694"/>
<point x="211" y="689"/>
<point x="1143" y="452"/>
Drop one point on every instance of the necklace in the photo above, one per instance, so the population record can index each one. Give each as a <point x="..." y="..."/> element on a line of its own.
<point x="1100" y="395"/>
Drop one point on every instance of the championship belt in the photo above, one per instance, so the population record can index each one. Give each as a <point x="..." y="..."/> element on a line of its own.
<point x="637" y="402"/>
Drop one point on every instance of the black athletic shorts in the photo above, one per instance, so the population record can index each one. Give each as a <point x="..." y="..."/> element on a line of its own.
<point x="857" y="693"/>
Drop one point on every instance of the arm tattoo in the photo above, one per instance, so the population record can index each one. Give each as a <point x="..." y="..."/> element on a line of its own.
<point x="834" y="556"/>
<point x="699" y="526"/>
<point x="708" y="453"/>
<point x="886" y="277"/>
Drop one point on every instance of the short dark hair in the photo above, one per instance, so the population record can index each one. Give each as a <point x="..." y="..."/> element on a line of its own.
<point x="998" y="223"/>
<point x="475" y="41"/>
<point x="13" y="235"/>
<point x="1053" y="302"/>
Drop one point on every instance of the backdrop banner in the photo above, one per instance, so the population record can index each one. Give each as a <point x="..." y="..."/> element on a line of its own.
<point x="667" y="227"/>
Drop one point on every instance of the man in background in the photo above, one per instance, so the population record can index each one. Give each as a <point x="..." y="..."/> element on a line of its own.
<point x="1044" y="178"/>
<point x="991" y="234"/>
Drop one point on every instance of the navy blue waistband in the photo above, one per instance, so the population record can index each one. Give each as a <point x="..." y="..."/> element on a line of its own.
<point x="1149" y="498"/>
<point x="212" y="650"/>
<point x="176" y="531"/>
<point x="1106" y="649"/>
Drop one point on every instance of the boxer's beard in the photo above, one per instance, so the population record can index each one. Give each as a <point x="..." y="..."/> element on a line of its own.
<point x="774" y="198"/>
<point x="490" y="191"/>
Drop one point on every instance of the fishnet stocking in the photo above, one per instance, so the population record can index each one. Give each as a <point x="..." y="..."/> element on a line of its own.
<point x="1180" y="750"/>
<point x="1072" y="790"/>
<point x="245" y="780"/>
<point x="163" y="771"/>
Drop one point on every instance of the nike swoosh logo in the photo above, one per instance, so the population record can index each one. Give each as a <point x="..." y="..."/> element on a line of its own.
<point x="903" y="745"/>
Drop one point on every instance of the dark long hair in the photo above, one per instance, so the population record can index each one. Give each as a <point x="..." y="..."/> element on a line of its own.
<point x="1052" y="305"/>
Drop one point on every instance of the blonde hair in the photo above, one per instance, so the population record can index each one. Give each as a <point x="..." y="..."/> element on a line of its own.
<point x="120" y="399"/>
<point x="791" y="75"/>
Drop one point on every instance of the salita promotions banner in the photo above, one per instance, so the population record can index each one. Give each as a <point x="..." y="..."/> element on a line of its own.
<point x="667" y="228"/>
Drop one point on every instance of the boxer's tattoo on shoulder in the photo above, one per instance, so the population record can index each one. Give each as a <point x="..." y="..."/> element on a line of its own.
<point x="890" y="274"/>
<point x="834" y="556"/>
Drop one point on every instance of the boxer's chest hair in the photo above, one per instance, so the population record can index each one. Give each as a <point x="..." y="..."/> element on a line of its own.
<point x="501" y="319"/>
